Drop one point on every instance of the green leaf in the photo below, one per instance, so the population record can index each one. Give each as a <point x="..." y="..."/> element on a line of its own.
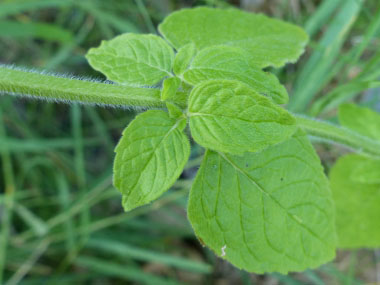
<point x="360" y="119"/>
<point x="224" y="62"/>
<point x="174" y="111"/>
<point x="357" y="205"/>
<point x="133" y="59"/>
<point x="183" y="58"/>
<point x="367" y="172"/>
<point x="149" y="157"/>
<point x="229" y="116"/>
<point x="271" y="42"/>
<point x="267" y="211"/>
<point x="169" y="88"/>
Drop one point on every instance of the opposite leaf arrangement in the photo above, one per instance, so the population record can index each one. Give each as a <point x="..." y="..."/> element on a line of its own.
<point x="260" y="199"/>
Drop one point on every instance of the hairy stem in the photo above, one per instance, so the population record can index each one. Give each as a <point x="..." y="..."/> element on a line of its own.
<point x="45" y="86"/>
<point x="340" y="135"/>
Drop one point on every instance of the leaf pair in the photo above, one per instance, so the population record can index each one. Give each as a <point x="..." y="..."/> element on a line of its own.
<point x="235" y="51"/>
<point x="355" y="181"/>
<point x="225" y="115"/>
<point x="260" y="198"/>
<point x="264" y="211"/>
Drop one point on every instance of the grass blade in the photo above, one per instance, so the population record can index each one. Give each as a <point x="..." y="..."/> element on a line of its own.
<point x="125" y="250"/>
<point x="313" y="75"/>
<point x="372" y="30"/>
<point x="9" y="194"/>
<point x="341" y="94"/>
<point x="25" y="267"/>
<point x="41" y="145"/>
<point x="14" y="7"/>
<point x="116" y="270"/>
<point x="321" y="16"/>
<point x="49" y="32"/>
<point x="38" y="226"/>
<point x="64" y="200"/>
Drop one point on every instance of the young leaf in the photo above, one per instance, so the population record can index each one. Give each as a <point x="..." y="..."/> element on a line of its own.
<point x="267" y="211"/>
<point x="133" y="59"/>
<point x="174" y="111"/>
<point x="229" y="116"/>
<point x="360" y="119"/>
<point x="183" y="58"/>
<point x="357" y="205"/>
<point x="272" y="42"/>
<point x="149" y="157"/>
<point x="224" y="62"/>
<point x="367" y="172"/>
<point x="169" y="88"/>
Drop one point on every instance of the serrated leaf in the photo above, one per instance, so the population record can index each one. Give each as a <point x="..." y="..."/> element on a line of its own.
<point x="224" y="62"/>
<point x="271" y="42"/>
<point x="183" y="58"/>
<point x="149" y="157"/>
<point x="367" y="172"/>
<point x="267" y="211"/>
<point x="360" y="119"/>
<point x="133" y="59"/>
<point x="229" y="116"/>
<point x="169" y="88"/>
<point x="174" y="111"/>
<point x="357" y="205"/>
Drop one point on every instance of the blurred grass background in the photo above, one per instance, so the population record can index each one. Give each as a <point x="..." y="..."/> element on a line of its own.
<point x="61" y="219"/>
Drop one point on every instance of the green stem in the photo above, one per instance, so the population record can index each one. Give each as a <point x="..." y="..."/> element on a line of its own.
<point x="45" y="86"/>
<point x="340" y="135"/>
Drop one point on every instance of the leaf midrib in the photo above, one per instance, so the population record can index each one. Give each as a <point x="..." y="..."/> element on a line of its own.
<point x="153" y="151"/>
